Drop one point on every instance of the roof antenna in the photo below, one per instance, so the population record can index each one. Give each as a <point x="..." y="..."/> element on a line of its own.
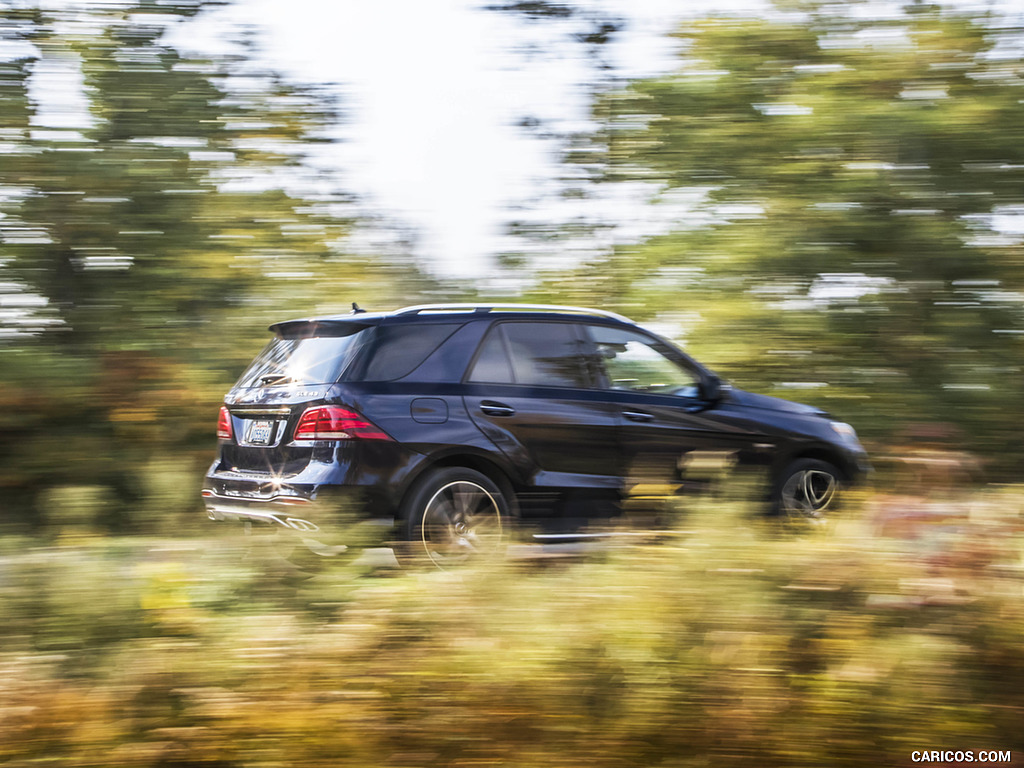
<point x="356" y="310"/>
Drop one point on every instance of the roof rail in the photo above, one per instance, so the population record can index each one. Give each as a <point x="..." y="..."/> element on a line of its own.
<point x="426" y="309"/>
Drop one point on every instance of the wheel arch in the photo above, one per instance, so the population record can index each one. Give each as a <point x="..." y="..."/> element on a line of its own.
<point x="482" y="464"/>
<point x="815" y="451"/>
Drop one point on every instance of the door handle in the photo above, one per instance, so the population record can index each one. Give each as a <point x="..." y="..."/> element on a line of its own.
<point x="492" y="408"/>
<point x="638" y="416"/>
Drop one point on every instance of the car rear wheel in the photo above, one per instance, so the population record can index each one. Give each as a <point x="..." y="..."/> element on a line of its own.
<point x="455" y="515"/>
<point x="807" y="490"/>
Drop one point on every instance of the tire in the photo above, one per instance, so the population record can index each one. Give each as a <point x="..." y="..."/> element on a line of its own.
<point x="455" y="515"/>
<point x="806" y="490"/>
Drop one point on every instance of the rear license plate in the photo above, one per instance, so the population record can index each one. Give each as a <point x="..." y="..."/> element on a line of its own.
<point x="260" y="432"/>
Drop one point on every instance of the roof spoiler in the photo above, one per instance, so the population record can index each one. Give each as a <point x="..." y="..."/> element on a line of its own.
<point x="310" y="327"/>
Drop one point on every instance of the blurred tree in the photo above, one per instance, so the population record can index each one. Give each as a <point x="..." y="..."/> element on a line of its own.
<point x="859" y="184"/>
<point x="176" y="207"/>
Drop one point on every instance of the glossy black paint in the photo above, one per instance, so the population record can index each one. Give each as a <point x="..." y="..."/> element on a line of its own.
<point x="534" y="441"/>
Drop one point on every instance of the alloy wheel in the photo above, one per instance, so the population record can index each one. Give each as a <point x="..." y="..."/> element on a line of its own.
<point x="460" y="521"/>
<point x="807" y="493"/>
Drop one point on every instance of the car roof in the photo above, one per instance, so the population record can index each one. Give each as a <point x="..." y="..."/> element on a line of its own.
<point x="456" y="311"/>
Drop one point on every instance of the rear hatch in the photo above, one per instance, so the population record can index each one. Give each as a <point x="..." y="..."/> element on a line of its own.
<point x="295" y="371"/>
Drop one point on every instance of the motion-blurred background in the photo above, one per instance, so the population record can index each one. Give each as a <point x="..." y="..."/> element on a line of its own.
<point x="821" y="201"/>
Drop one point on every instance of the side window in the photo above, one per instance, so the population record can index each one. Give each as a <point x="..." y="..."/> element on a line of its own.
<point x="492" y="365"/>
<point x="636" y="363"/>
<point x="542" y="354"/>
<point x="400" y="348"/>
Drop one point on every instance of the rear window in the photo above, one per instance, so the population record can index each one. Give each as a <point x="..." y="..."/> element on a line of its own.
<point x="311" y="360"/>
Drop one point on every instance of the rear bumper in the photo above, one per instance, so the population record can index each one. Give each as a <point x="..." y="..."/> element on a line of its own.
<point x="308" y="505"/>
<point x="325" y="526"/>
<point x="289" y="512"/>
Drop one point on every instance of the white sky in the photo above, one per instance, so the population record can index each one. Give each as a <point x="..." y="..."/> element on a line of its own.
<point x="432" y="92"/>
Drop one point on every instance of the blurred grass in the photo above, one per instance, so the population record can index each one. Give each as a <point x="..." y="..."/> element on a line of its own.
<point x="734" y="642"/>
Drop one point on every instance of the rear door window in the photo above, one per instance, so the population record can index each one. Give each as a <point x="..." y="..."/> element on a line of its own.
<point x="537" y="354"/>
<point x="492" y="364"/>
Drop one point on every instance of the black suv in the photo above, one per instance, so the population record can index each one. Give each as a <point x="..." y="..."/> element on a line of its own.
<point x="448" y="421"/>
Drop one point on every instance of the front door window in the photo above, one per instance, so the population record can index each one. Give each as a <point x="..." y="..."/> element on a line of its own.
<point x="636" y="363"/>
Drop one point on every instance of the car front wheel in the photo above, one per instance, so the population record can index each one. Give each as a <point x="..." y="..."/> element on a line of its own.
<point x="455" y="515"/>
<point x="807" y="489"/>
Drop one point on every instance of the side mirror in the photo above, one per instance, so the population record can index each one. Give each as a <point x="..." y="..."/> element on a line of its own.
<point x="712" y="388"/>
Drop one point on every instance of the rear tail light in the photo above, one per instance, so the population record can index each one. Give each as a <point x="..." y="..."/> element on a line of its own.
<point x="224" y="424"/>
<point x="330" y="422"/>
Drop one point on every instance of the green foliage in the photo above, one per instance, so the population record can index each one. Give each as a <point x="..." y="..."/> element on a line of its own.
<point x="848" y="169"/>
<point x="144" y="255"/>
<point x="731" y="644"/>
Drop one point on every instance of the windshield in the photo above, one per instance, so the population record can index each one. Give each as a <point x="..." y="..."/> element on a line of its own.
<point x="314" y="360"/>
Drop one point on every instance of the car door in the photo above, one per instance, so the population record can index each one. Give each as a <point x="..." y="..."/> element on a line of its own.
<point x="668" y="434"/>
<point x="530" y="390"/>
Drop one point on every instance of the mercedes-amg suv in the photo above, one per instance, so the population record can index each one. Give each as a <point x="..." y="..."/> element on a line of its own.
<point x="448" y="422"/>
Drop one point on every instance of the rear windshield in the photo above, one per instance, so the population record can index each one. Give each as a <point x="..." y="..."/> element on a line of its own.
<point x="314" y="360"/>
